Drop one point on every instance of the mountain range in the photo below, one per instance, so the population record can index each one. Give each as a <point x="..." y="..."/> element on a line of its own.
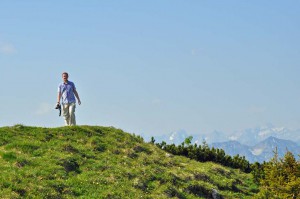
<point x="258" y="134"/>
<point x="262" y="151"/>
<point x="256" y="144"/>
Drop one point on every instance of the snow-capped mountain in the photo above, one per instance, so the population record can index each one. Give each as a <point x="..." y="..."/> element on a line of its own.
<point x="177" y="137"/>
<point x="258" y="134"/>
<point x="249" y="136"/>
<point x="263" y="151"/>
<point x="266" y="148"/>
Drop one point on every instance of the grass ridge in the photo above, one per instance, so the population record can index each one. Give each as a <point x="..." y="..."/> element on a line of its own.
<point x="105" y="162"/>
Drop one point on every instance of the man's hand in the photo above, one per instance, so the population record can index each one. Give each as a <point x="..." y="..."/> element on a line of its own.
<point x="79" y="102"/>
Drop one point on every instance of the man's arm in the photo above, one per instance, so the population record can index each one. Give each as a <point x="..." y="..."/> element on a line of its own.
<point x="58" y="97"/>
<point x="77" y="96"/>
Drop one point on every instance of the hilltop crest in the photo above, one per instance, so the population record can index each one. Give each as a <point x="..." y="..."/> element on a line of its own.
<point x="105" y="162"/>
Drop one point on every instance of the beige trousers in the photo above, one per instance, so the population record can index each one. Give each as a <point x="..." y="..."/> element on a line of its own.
<point x="69" y="114"/>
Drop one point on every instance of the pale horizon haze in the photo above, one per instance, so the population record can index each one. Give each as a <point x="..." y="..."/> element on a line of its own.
<point x="152" y="67"/>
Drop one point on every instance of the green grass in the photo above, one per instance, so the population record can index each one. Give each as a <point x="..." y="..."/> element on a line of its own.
<point x="105" y="162"/>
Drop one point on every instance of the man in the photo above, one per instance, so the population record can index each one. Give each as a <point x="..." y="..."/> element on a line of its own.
<point x="67" y="93"/>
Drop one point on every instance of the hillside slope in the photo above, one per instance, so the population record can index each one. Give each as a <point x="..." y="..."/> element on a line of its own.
<point x="105" y="162"/>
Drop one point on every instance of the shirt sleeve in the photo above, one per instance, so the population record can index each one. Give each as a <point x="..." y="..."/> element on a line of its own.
<point x="58" y="89"/>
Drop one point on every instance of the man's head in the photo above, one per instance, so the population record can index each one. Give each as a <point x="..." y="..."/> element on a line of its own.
<point x="65" y="76"/>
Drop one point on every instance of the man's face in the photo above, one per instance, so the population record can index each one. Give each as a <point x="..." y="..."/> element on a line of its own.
<point x="65" y="77"/>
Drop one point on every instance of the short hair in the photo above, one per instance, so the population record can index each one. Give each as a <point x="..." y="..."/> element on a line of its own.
<point x="65" y="73"/>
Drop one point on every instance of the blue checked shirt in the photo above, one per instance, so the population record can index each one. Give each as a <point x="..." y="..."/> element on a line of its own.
<point x="67" y="92"/>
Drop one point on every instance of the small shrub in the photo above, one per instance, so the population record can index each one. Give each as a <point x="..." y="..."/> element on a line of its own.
<point x="70" y="148"/>
<point x="98" y="144"/>
<point x="3" y="141"/>
<point x="140" y="148"/>
<point x="113" y="196"/>
<point x="202" y="176"/>
<point x="199" y="190"/>
<point x="100" y="147"/>
<point x="22" y="162"/>
<point x="173" y="192"/>
<point x="19" y="190"/>
<point x="98" y="131"/>
<point x="9" y="156"/>
<point x="117" y="152"/>
<point x="48" y="137"/>
<point x="28" y="147"/>
<point x="70" y="164"/>
<point x="138" y="183"/>
<point x="133" y="155"/>
<point x="59" y="187"/>
<point x="221" y="171"/>
<point x="19" y="126"/>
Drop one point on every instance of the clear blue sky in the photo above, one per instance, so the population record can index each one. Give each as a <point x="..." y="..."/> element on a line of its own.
<point x="152" y="67"/>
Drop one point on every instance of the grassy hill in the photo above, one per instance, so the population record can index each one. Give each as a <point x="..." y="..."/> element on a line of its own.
<point x="105" y="162"/>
